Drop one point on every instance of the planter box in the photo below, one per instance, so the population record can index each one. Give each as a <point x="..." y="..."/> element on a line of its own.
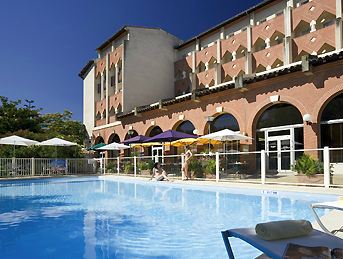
<point x="315" y="179"/>
<point x="145" y="172"/>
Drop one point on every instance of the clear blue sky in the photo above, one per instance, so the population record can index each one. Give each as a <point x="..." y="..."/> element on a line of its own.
<point x="44" y="43"/>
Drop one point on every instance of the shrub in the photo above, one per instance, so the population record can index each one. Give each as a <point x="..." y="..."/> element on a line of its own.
<point x="110" y="167"/>
<point x="146" y="165"/>
<point x="128" y="168"/>
<point x="196" y="167"/>
<point x="210" y="167"/>
<point x="308" y="165"/>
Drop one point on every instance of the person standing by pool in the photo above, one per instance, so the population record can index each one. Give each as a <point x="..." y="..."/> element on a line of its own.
<point x="158" y="173"/>
<point x="188" y="154"/>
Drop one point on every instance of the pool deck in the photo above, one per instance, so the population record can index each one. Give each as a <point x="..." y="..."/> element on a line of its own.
<point x="271" y="187"/>
<point x="226" y="184"/>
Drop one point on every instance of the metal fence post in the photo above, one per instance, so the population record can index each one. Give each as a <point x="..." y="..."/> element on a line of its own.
<point x="326" y="161"/>
<point x="217" y="167"/>
<point x="33" y="166"/>
<point x="67" y="165"/>
<point x="101" y="164"/>
<point x="263" y="166"/>
<point x="105" y="160"/>
<point x="118" y="164"/>
<point x="135" y="165"/>
<point x="182" y="163"/>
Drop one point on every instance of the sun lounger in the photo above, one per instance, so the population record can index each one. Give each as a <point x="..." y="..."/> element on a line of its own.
<point x="275" y="249"/>
<point x="332" y="205"/>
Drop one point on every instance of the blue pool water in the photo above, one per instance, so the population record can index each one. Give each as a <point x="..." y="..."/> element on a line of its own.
<point x="97" y="218"/>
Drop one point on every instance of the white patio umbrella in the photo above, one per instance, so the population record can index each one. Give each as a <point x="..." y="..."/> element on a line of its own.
<point x="226" y="135"/>
<point x="57" y="142"/>
<point x="17" y="141"/>
<point x="114" y="146"/>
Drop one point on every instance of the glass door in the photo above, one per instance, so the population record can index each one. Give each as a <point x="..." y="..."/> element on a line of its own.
<point x="273" y="155"/>
<point x="285" y="155"/>
<point x="157" y="153"/>
<point x="279" y="154"/>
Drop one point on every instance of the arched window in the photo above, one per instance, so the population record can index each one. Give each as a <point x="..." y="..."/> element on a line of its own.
<point x="280" y="128"/>
<point x="113" y="138"/>
<point x="99" y="140"/>
<point x="131" y="134"/>
<point x="186" y="127"/>
<point x="155" y="131"/>
<point x="332" y="127"/>
<point x="279" y="115"/>
<point x="224" y="121"/>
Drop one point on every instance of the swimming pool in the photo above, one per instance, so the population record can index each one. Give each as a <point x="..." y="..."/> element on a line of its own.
<point x="115" y="218"/>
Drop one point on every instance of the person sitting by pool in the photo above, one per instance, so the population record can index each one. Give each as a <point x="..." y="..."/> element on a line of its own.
<point x="158" y="173"/>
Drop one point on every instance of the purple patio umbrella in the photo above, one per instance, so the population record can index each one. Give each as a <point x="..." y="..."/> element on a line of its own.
<point x="169" y="136"/>
<point x="137" y="139"/>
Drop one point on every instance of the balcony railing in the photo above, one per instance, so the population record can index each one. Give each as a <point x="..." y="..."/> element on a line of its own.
<point x="312" y="11"/>
<point x="100" y="122"/>
<point x="206" y="54"/>
<point x="206" y="77"/>
<point x="269" y="56"/>
<point x="100" y="106"/>
<point x="314" y="41"/>
<point x="268" y="28"/>
<point x="233" y="68"/>
<point x="234" y="42"/>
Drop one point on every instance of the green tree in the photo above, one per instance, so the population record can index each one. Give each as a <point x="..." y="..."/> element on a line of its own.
<point x="16" y="116"/>
<point x="24" y="119"/>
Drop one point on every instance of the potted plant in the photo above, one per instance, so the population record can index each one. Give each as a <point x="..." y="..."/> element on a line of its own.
<point x="145" y="167"/>
<point x="309" y="169"/>
<point x="110" y="168"/>
<point x="196" y="168"/>
<point x="210" y="167"/>
<point x="128" y="168"/>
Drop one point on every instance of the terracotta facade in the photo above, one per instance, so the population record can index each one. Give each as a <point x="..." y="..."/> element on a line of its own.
<point x="223" y="56"/>
<point x="309" y="94"/>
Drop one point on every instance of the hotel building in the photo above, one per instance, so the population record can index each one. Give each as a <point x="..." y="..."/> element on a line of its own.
<point x="273" y="72"/>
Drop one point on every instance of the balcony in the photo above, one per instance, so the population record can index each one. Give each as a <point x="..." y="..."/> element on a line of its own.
<point x="100" y="122"/>
<point x="100" y="66"/>
<point x="233" y="68"/>
<point x="204" y="56"/>
<point x="234" y="43"/>
<point x="115" y="100"/>
<point x="271" y="57"/>
<point x="312" y="10"/>
<point x="100" y="106"/>
<point x="267" y="29"/>
<point x="320" y="41"/>
<point x="206" y="78"/>
<point x="182" y="86"/>
<point x="113" y="119"/>
<point x="116" y="55"/>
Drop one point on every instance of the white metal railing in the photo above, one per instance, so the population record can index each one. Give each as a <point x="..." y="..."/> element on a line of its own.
<point x="252" y="167"/>
<point x="24" y="167"/>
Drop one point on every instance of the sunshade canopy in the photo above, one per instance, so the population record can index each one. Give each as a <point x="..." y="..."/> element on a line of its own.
<point x="114" y="146"/>
<point x="225" y="135"/>
<point x="169" y="136"/>
<point x="148" y="144"/>
<point x="17" y="141"/>
<point x="95" y="147"/>
<point x="57" y="142"/>
<point x="193" y="141"/>
<point x="137" y="139"/>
